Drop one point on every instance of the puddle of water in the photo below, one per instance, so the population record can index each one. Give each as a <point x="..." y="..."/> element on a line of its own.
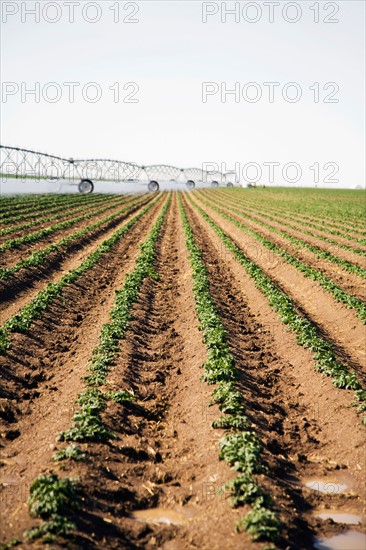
<point x="326" y="487"/>
<point x="352" y="540"/>
<point x="339" y="517"/>
<point x="159" y="515"/>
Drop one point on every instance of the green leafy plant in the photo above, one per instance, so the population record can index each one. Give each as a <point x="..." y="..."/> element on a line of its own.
<point x="241" y="449"/>
<point x="56" y="525"/>
<point x="317" y="275"/>
<point x="229" y="399"/>
<point x="52" y="499"/>
<point x="121" y="396"/>
<point x="50" y="495"/>
<point x="231" y="422"/>
<point x="22" y="321"/>
<point x="11" y="544"/>
<point x="45" y="232"/>
<point x="58" y="213"/>
<point x="120" y="315"/>
<point x="87" y="422"/>
<point x="88" y="426"/>
<point x="244" y="490"/>
<point x="38" y="257"/>
<point x="261" y="524"/>
<point x="326" y="361"/>
<point x="72" y="452"/>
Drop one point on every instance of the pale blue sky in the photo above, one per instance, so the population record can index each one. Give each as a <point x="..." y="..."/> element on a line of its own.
<point x="169" y="53"/>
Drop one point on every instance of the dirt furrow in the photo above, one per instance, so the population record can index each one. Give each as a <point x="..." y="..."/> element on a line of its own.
<point x="11" y="257"/>
<point x="298" y="219"/>
<point x="350" y="282"/>
<point x="166" y="455"/>
<point x="12" y="209"/>
<point x="309" y="430"/>
<point x="355" y="229"/>
<point x="16" y="292"/>
<point x="332" y="248"/>
<point x="339" y="324"/>
<point x="326" y="206"/>
<point x="155" y="485"/>
<point x="50" y="357"/>
<point x="62" y="215"/>
<point x="44" y="371"/>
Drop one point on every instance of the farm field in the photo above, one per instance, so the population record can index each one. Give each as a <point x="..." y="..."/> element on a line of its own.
<point x="183" y="370"/>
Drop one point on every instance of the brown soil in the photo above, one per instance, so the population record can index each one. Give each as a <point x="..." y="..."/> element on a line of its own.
<point x="25" y="285"/>
<point x="10" y="257"/>
<point x="349" y="282"/>
<point x="332" y="248"/>
<point x="302" y="224"/>
<point x="166" y="451"/>
<point x="9" y="210"/>
<point x="25" y="364"/>
<point x="64" y="215"/>
<point x="336" y="322"/>
<point x="346" y="224"/>
<point x="317" y="444"/>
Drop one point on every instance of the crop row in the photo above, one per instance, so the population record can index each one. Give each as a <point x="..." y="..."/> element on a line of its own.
<point x="319" y="252"/>
<point x="23" y="320"/>
<point x="280" y="210"/>
<point x="240" y="447"/>
<point x="355" y="250"/>
<point x="256" y="212"/>
<point x="322" y="228"/>
<point x="307" y="334"/>
<point x="23" y="201"/>
<point x="20" y="201"/>
<point x="325" y="282"/>
<point x="29" y="201"/>
<point x="281" y="214"/>
<point x="60" y="214"/>
<point x="48" y="493"/>
<point x="10" y="244"/>
<point x="37" y="258"/>
<point x="344" y="207"/>
<point x="52" y="206"/>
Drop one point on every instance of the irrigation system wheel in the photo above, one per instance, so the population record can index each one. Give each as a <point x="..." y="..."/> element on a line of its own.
<point x="153" y="186"/>
<point x="229" y="184"/>
<point x="82" y="173"/>
<point x="86" y="186"/>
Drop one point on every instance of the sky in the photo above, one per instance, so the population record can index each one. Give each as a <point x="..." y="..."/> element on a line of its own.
<point x="152" y="80"/>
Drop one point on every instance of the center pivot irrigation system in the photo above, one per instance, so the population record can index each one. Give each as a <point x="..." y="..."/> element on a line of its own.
<point x="24" y="163"/>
